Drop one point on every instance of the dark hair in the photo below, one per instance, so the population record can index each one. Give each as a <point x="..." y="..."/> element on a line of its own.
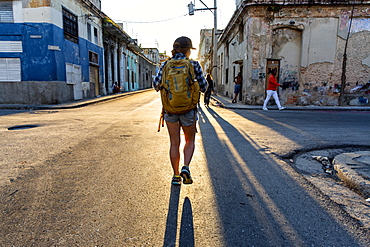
<point x="180" y="50"/>
<point x="272" y="70"/>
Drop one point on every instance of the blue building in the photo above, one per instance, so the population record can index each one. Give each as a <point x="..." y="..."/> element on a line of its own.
<point x="50" y="51"/>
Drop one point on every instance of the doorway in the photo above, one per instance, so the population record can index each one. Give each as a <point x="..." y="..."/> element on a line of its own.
<point x="272" y="64"/>
<point x="241" y="84"/>
<point x="94" y="79"/>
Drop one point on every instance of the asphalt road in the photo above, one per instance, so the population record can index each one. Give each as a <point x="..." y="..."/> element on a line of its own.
<point x="100" y="176"/>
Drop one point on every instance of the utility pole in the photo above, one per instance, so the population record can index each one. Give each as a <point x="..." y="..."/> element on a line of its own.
<point x="344" y="64"/>
<point x="214" y="38"/>
<point x="214" y="68"/>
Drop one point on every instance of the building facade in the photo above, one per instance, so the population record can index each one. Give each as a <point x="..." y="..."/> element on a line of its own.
<point x="205" y="50"/>
<point x="64" y="50"/>
<point x="50" y="51"/>
<point x="115" y="52"/>
<point x="320" y="49"/>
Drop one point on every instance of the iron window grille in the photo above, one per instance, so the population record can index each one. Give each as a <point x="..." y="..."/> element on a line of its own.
<point x="70" y="26"/>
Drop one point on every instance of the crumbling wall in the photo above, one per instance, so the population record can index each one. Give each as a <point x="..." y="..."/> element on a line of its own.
<point x="314" y="76"/>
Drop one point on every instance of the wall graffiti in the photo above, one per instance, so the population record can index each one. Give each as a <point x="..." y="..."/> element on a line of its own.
<point x="289" y="78"/>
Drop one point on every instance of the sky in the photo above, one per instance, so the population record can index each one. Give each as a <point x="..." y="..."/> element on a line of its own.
<point x="157" y="23"/>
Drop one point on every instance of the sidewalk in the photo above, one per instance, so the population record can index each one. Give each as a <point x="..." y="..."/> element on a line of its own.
<point x="225" y="102"/>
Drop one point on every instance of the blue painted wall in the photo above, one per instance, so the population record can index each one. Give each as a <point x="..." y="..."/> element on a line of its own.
<point x="38" y="63"/>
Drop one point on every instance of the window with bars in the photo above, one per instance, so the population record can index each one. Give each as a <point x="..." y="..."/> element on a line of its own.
<point x="6" y="12"/>
<point x="70" y="26"/>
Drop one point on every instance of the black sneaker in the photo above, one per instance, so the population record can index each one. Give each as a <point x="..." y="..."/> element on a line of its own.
<point x="185" y="174"/>
<point x="176" y="180"/>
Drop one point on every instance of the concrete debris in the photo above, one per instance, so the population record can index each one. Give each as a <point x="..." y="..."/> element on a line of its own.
<point x="327" y="165"/>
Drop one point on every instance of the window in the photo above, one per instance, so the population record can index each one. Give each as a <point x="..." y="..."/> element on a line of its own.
<point x="93" y="58"/>
<point x="6" y="11"/>
<point x="95" y="35"/>
<point x="10" y="69"/>
<point x="91" y="30"/>
<point x="88" y="31"/>
<point x="11" y="46"/>
<point x="227" y="76"/>
<point x="70" y="26"/>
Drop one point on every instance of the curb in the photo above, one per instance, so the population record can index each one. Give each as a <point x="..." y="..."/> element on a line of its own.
<point x="69" y="105"/>
<point x="225" y="102"/>
<point x="348" y="175"/>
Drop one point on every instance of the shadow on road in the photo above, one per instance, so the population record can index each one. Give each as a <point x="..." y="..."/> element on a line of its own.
<point x="186" y="225"/>
<point x="171" y="223"/>
<point x="262" y="202"/>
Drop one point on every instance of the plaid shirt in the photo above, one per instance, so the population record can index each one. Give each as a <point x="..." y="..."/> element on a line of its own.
<point x="197" y="71"/>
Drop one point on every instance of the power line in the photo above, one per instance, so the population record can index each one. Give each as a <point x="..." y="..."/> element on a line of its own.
<point x="147" y="22"/>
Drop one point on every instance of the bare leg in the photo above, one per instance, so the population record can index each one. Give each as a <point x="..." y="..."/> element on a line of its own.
<point x="235" y="96"/>
<point x="189" y="132"/>
<point x="174" y="132"/>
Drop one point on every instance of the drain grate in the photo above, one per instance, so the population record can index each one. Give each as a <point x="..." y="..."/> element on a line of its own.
<point x="20" y="127"/>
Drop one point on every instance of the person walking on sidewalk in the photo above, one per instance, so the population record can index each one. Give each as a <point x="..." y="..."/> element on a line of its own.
<point x="237" y="81"/>
<point x="271" y="91"/>
<point x="186" y="121"/>
<point x="208" y="92"/>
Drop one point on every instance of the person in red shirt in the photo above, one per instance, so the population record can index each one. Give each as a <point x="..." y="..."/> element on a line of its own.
<point x="271" y="91"/>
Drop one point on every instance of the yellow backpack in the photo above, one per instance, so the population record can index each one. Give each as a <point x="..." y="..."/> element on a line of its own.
<point x="179" y="88"/>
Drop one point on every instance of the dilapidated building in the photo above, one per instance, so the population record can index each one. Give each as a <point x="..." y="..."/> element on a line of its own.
<point x="57" y="51"/>
<point x="50" y="51"/>
<point x="321" y="50"/>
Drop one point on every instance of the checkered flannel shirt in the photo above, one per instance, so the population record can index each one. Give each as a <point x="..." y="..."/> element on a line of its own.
<point x="197" y="71"/>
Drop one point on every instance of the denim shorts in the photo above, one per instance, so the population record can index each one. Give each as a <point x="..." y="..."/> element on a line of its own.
<point x="237" y="88"/>
<point x="185" y="119"/>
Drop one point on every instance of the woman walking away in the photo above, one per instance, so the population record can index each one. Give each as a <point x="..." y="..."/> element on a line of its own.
<point x="207" y="94"/>
<point x="271" y="91"/>
<point x="184" y="120"/>
<point x="237" y="80"/>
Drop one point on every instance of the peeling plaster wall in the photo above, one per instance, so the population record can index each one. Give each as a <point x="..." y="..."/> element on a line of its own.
<point x="258" y="35"/>
<point x="315" y="59"/>
<point x="36" y="3"/>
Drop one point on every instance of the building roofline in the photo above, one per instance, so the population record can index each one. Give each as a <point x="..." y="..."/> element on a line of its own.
<point x="289" y="3"/>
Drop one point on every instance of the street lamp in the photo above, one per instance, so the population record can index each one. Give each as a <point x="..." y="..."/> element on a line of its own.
<point x="191" y="12"/>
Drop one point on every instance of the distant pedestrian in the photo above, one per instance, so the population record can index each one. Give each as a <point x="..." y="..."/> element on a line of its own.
<point x="210" y="89"/>
<point x="185" y="121"/>
<point x="116" y="88"/>
<point x="271" y="91"/>
<point x="237" y="80"/>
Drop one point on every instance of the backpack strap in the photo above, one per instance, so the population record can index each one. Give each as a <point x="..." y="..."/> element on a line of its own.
<point x="161" y="120"/>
